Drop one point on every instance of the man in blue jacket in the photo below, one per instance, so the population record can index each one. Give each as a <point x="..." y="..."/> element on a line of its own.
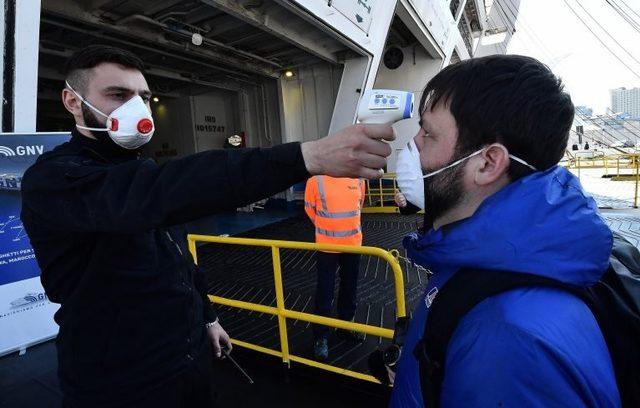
<point x="494" y="131"/>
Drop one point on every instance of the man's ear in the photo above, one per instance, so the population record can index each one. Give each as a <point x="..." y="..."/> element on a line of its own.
<point x="71" y="102"/>
<point x="491" y="165"/>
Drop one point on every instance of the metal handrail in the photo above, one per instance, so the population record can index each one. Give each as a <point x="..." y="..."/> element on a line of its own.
<point x="382" y="196"/>
<point x="622" y="161"/>
<point x="283" y="313"/>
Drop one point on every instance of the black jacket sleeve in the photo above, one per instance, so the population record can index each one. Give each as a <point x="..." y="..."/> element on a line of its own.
<point x="409" y="209"/>
<point x="209" y="310"/>
<point x="139" y="195"/>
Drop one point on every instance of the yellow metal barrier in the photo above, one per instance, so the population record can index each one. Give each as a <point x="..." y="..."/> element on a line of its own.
<point x="376" y="198"/>
<point x="635" y="196"/>
<point x="283" y="313"/>
<point x="624" y="161"/>
<point x="629" y="161"/>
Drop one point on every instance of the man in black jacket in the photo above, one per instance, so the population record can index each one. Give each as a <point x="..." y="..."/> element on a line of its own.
<point x="136" y="327"/>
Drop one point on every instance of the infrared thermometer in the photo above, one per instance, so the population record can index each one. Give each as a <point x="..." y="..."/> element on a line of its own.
<point x="385" y="106"/>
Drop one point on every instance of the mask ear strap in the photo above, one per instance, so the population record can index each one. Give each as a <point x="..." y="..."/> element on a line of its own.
<point x="455" y="163"/>
<point x="90" y="128"/>
<point x="519" y="160"/>
<point x="96" y="110"/>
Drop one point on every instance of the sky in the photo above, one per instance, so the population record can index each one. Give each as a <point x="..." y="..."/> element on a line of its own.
<point x="550" y="32"/>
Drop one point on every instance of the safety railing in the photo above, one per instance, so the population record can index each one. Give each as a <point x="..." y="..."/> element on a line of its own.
<point x="283" y="313"/>
<point x="612" y="166"/>
<point x="380" y="195"/>
<point x="606" y="162"/>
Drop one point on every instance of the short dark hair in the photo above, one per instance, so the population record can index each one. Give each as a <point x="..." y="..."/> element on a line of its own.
<point x="79" y="64"/>
<point x="509" y="99"/>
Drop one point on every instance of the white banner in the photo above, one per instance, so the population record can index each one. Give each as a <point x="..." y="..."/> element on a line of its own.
<point x="26" y="315"/>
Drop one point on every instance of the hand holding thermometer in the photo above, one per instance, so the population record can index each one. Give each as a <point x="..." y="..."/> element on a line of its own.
<point x="385" y="106"/>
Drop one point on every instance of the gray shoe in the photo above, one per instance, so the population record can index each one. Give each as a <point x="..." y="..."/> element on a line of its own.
<point x="321" y="349"/>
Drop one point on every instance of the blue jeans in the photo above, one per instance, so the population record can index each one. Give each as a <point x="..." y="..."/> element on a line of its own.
<point x="327" y="264"/>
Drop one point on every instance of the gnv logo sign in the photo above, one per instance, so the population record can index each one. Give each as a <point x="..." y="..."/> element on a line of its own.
<point x="28" y="299"/>
<point x="21" y="150"/>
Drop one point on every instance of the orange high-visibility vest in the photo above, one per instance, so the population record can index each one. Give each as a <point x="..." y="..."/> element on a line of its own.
<point x="334" y="205"/>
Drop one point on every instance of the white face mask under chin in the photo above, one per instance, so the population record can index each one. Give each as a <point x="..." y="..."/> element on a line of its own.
<point x="129" y="126"/>
<point x="411" y="179"/>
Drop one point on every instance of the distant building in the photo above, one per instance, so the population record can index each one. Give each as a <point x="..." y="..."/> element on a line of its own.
<point x="626" y="101"/>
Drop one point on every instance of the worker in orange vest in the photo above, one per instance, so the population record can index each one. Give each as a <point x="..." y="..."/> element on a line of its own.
<point x="334" y="205"/>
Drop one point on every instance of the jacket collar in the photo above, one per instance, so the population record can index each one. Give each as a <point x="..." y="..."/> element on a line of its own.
<point x="104" y="147"/>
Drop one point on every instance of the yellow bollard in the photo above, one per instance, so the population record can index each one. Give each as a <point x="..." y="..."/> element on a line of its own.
<point x="578" y="168"/>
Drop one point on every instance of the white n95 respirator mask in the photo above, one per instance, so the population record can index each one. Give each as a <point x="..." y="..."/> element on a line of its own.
<point x="410" y="177"/>
<point x="129" y="126"/>
<point x="409" y="174"/>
